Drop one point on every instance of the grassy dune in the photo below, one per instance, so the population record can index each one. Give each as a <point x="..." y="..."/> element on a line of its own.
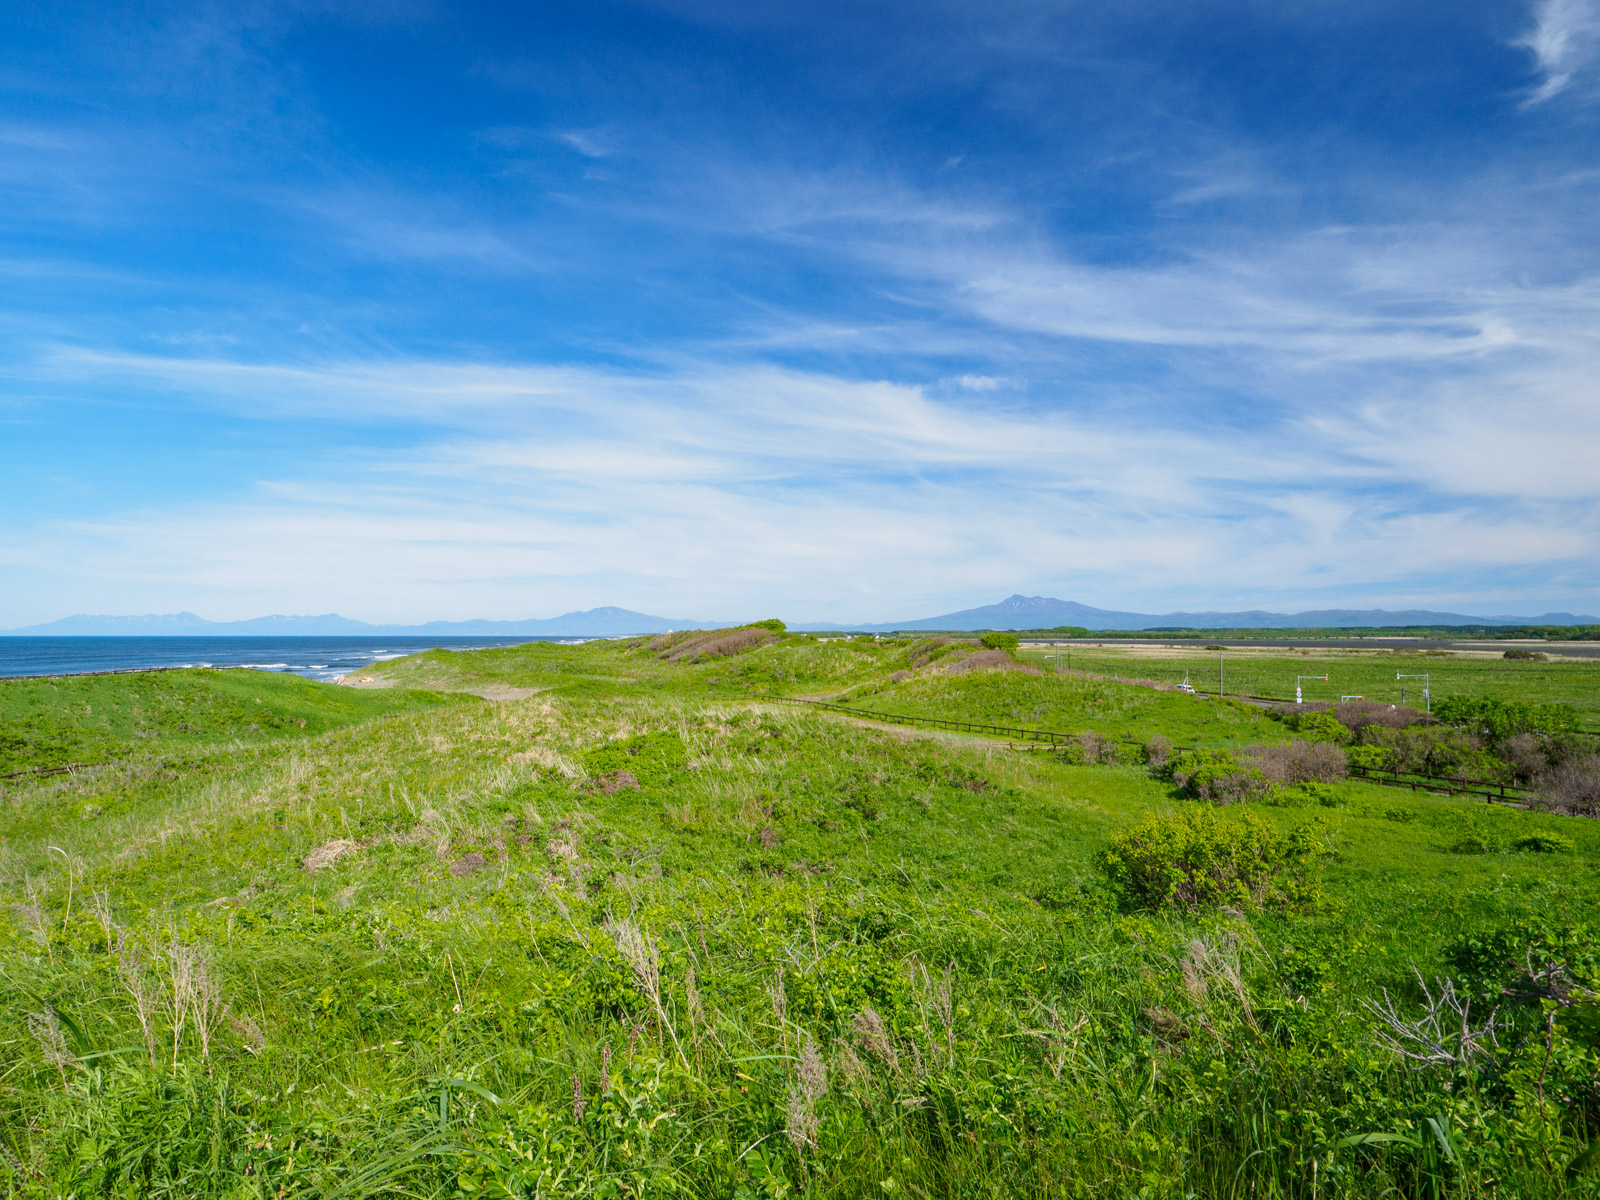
<point x="93" y="719"/>
<point x="791" y="665"/>
<point x="647" y="933"/>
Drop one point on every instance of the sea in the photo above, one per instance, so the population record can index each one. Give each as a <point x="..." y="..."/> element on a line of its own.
<point x="325" y="658"/>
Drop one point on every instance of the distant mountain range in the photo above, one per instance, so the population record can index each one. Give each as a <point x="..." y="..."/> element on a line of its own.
<point x="596" y="622"/>
<point x="1045" y="612"/>
<point x="1014" y="612"/>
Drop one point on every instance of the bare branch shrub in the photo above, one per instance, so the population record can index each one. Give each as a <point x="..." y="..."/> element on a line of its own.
<point x="1525" y="753"/>
<point x="618" y="781"/>
<point x="1572" y="788"/>
<point x="1443" y="1035"/>
<point x="1094" y="748"/>
<point x="1353" y="714"/>
<point x="927" y="651"/>
<point x="1300" y="762"/>
<point x="1156" y="751"/>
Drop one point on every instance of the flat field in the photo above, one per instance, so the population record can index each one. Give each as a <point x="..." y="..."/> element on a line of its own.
<point x="1371" y="673"/>
<point x="651" y="932"/>
<point x="1073" y="704"/>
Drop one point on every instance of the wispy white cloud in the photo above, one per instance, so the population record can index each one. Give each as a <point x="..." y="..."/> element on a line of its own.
<point x="1180" y="406"/>
<point x="591" y="143"/>
<point x="707" y="492"/>
<point x="1565" y="44"/>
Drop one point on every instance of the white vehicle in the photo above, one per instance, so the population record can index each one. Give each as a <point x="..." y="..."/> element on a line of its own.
<point x="1186" y="686"/>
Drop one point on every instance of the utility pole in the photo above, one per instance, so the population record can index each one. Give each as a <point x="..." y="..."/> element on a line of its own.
<point x="1427" y="700"/>
<point x="1220" y="692"/>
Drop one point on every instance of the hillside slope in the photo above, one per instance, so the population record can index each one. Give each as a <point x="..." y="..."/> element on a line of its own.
<point x="661" y="941"/>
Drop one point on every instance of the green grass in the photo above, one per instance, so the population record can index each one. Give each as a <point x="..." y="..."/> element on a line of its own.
<point x="795" y="665"/>
<point x="1371" y="673"/>
<point x="412" y="1017"/>
<point x="1072" y="704"/>
<point x="92" y="719"/>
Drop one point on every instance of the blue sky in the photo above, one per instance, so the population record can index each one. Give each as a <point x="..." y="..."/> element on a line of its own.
<point x="855" y="311"/>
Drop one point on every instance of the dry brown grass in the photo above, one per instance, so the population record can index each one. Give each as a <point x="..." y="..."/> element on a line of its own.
<point x="329" y="853"/>
<point x="985" y="660"/>
<point x="925" y="652"/>
<point x="618" y="781"/>
<point x="700" y="644"/>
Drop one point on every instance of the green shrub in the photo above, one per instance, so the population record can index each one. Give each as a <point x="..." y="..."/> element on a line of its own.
<point x="1369" y="758"/>
<point x="1001" y="641"/>
<point x="1483" y="841"/>
<point x="1215" y="776"/>
<point x="1494" y="963"/>
<point x="771" y="623"/>
<point x="1321" y="727"/>
<point x="1197" y="858"/>
<point x="651" y="758"/>
<point x="1498" y="719"/>
<point x="1325" y="795"/>
<point x="1524" y="655"/>
<point x="1544" y="843"/>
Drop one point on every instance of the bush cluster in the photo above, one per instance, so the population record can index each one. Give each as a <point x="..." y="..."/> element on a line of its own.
<point x="1499" y="719"/>
<point x="1197" y="858"/>
<point x="1321" y="727"/>
<point x="1216" y="776"/>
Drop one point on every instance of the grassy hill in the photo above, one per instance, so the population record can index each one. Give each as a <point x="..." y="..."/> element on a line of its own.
<point x="648" y="932"/>
<point x="98" y="718"/>
<point x="777" y="665"/>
